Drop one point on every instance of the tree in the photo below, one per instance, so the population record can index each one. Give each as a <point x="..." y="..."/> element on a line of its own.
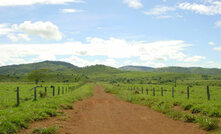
<point x="37" y="75"/>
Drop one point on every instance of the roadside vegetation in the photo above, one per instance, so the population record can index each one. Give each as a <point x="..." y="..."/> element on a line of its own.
<point x="13" y="118"/>
<point x="197" y="109"/>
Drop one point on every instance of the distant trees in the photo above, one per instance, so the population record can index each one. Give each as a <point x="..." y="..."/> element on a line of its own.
<point x="37" y="75"/>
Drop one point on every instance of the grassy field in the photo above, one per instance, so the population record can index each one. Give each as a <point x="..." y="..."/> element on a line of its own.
<point x="196" y="109"/>
<point x="13" y="118"/>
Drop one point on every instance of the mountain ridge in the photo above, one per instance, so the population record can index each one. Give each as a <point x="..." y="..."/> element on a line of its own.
<point x="59" y="66"/>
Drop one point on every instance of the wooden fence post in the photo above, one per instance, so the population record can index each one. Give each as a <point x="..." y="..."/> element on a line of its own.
<point x="188" y="92"/>
<point x="153" y="91"/>
<point x="62" y="90"/>
<point x="53" y="88"/>
<point x="18" y="102"/>
<point x="66" y="89"/>
<point x="161" y="91"/>
<point x="45" y="91"/>
<point x="208" y="93"/>
<point x="35" y="93"/>
<point x="59" y="90"/>
<point x="147" y="90"/>
<point x="142" y="90"/>
<point x="173" y="92"/>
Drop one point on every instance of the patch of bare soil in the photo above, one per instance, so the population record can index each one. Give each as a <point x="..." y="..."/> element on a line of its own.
<point x="106" y="114"/>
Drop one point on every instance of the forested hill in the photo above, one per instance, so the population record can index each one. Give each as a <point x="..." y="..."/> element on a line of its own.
<point x="66" y="68"/>
<point x="26" y="68"/>
<point x="199" y="70"/>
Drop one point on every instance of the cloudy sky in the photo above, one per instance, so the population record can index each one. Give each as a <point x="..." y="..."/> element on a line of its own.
<point x="154" y="33"/>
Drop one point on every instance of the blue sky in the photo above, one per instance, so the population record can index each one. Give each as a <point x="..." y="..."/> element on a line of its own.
<point x="154" y="33"/>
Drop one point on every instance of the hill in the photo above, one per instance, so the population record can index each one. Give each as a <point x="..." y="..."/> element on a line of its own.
<point x="198" y="70"/>
<point x="135" y="68"/>
<point x="99" y="69"/>
<point x="26" y="68"/>
<point x="174" y="69"/>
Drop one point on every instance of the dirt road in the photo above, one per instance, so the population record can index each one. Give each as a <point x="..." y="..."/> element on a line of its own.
<point x="106" y="114"/>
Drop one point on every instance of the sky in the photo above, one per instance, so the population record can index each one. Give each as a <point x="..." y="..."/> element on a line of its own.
<point x="154" y="33"/>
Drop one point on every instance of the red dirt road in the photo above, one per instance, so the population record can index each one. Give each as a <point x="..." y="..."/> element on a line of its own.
<point x="106" y="114"/>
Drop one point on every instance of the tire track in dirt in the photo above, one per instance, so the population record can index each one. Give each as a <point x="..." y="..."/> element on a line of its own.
<point x="106" y="114"/>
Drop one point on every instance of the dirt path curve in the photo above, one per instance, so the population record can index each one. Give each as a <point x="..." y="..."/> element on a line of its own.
<point x="106" y="114"/>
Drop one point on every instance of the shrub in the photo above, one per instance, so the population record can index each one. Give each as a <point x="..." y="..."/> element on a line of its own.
<point x="189" y="118"/>
<point x="207" y="123"/>
<point x="176" y="115"/>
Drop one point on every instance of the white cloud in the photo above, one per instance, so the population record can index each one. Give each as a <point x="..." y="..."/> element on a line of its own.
<point x="194" y="59"/>
<point x="112" y="48"/>
<point x="5" y="29"/>
<point x="217" y="48"/>
<point x="212" y="64"/>
<point x="164" y="17"/>
<point x="211" y="43"/>
<point x="218" y="23"/>
<point x="159" y="10"/>
<point x="82" y="62"/>
<point x="71" y="10"/>
<point x="207" y="64"/>
<point x="45" y="57"/>
<point x="46" y="30"/>
<point x="16" y="38"/>
<point x="209" y="8"/>
<point x="134" y="3"/>
<point x="32" y="2"/>
<point x="12" y="37"/>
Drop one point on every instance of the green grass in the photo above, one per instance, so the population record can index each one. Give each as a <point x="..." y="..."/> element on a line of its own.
<point x="197" y="109"/>
<point x="8" y="91"/>
<point x="14" y="118"/>
<point x="44" y="130"/>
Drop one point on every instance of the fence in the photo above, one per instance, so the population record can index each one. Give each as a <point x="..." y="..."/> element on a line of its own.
<point x="15" y="94"/>
<point x="138" y="90"/>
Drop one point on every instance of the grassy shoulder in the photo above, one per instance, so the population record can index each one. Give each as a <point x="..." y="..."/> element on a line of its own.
<point x="166" y="106"/>
<point x="14" y="118"/>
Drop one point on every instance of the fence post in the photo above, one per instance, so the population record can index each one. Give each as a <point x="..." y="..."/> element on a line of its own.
<point x="35" y="93"/>
<point x="62" y="90"/>
<point x="153" y="91"/>
<point x="147" y="90"/>
<point x="161" y="91"/>
<point x="188" y="92"/>
<point x="142" y="90"/>
<point x="59" y="90"/>
<point x="66" y="89"/>
<point x="18" y="102"/>
<point x="173" y="92"/>
<point x="208" y="93"/>
<point x="53" y="88"/>
<point x="45" y="91"/>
